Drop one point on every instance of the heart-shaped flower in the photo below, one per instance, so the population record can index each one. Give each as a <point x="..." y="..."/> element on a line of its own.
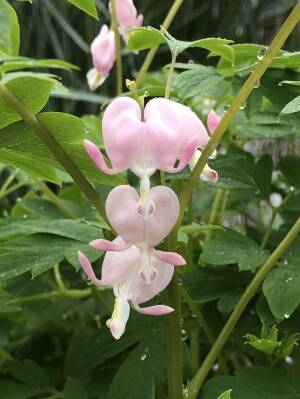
<point x="121" y="271"/>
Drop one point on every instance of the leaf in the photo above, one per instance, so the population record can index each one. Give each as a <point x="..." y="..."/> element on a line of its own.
<point x="232" y="247"/>
<point x="74" y="389"/>
<point x="9" y="29"/>
<point x="290" y="166"/>
<point x="292" y="107"/>
<point x="69" y="131"/>
<point x="13" y="390"/>
<point x="282" y="289"/>
<point x="88" y="6"/>
<point x="29" y="373"/>
<point x="148" y="37"/>
<point x="198" y="80"/>
<point x="32" y="63"/>
<point x="254" y="383"/>
<point x="225" y="395"/>
<point x="4" y="297"/>
<point x="32" y="89"/>
<point x="75" y="230"/>
<point x="263" y="175"/>
<point x="267" y="345"/>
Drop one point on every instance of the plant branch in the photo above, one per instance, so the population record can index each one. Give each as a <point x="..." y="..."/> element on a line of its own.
<point x="151" y="53"/>
<point x="215" y="209"/>
<point x="197" y="381"/>
<point x="114" y="26"/>
<point x="170" y="77"/>
<point x="59" y="153"/>
<point x="242" y="96"/>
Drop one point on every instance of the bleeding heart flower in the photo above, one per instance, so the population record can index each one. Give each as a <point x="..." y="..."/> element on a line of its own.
<point x="143" y="224"/>
<point x="121" y="271"/>
<point x="144" y="142"/>
<point x="103" y="54"/>
<point x="127" y="17"/>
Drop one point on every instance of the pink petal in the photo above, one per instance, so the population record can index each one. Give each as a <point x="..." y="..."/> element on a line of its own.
<point x="187" y="154"/>
<point x="122" y="132"/>
<point x="129" y="223"/>
<point x="209" y="174"/>
<point x="97" y="157"/>
<point x="170" y="257"/>
<point x="156" y="310"/>
<point x="105" y="245"/>
<point x="87" y="267"/>
<point x="103" y="51"/>
<point x="213" y="121"/>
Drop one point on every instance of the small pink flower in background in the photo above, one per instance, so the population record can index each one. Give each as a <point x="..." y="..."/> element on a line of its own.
<point x="142" y="224"/>
<point x="127" y="17"/>
<point x="103" y="52"/>
<point x="121" y="271"/>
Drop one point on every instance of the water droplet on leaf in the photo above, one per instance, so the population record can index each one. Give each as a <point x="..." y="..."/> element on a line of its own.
<point x="261" y="53"/>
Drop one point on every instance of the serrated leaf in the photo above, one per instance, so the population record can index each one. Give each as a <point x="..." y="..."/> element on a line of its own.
<point x="232" y="247"/>
<point x="9" y="29"/>
<point x="88" y="6"/>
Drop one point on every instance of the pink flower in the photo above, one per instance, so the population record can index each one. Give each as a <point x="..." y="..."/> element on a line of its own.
<point x="142" y="222"/>
<point x="144" y="142"/>
<point x="121" y="271"/>
<point x="127" y="17"/>
<point x="103" y="55"/>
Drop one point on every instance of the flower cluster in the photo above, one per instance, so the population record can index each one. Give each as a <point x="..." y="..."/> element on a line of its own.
<point x="103" y="48"/>
<point x="143" y="140"/>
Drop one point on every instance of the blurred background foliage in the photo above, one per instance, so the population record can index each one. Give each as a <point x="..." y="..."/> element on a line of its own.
<point x="56" y="29"/>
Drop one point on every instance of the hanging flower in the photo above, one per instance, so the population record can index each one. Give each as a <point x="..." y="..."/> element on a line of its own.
<point x="121" y="271"/>
<point x="127" y="17"/>
<point x="144" y="223"/>
<point x="103" y="55"/>
<point x="146" y="141"/>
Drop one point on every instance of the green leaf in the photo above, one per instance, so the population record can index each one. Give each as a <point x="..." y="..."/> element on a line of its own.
<point x="263" y="175"/>
<point x="74" y="389"/>
<point x="32" y="89"/>
<point x="9" y="29"/>
<point x="88" y="6"/>
<point x="254" y="383"/>
<point x="145" y="38"/>
<point x="18" y="139"/>
<point x="148" y="37"/>
<point x="292" y="107"/>
<point x="13" y="390"/>
<point x="29" y="373"/>
<point x="287" y="346"/>
<point x="32" y="63"/>
<point x="268" y="344"/>
<point x="232" y="247"/>
<point x="197" y="81"/>
<point x="290" y="166"/>
<point x="225" y="395"/>
<point x="282" y="289"/>
<point x="4" y="297"/>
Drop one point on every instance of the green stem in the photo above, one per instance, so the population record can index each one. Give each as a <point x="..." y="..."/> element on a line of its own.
<point x="170" y="77"/>
<point x="52" y="295"/>
<point x="7" y="182"/>
<point x="151" y="53"/>
<point x="197" y="381"/>
<point x="58" y="279"/>
<point x="54" y="198"/>
<point x="242" y="96"/>
<point x="13" y="188"/>
<point x="59" y="153"/>
<point x="223" y="207"/>
<point x="214" y="210"/>
<point x="114" y="26"/>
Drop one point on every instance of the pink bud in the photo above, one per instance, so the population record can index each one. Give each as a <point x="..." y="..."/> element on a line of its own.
<point x="213" y="121"/>
<point x="127" y="17"/>
<point x="103" y="55"/>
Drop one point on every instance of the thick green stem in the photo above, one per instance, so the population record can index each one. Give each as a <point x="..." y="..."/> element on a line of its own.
<point x="55" y="148"/>
<point x="114" y="26"/>
<point x="242" y="96"/>
<point x="170" y="77"/>
<point x="151" y="53"/>
<point x="197" y="381"/>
